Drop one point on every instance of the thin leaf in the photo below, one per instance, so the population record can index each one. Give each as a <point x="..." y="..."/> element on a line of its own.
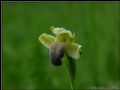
<point x="71" y="65"/>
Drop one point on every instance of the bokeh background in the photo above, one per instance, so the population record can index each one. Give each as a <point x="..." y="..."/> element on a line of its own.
<point x="25" y="61"/>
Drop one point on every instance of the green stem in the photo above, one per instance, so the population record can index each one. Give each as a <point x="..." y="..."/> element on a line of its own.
<point x="71" y="66"/>
<point x="71" y="79"/>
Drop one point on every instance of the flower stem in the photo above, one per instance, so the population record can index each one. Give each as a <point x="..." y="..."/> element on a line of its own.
<point x="71" y="66"/>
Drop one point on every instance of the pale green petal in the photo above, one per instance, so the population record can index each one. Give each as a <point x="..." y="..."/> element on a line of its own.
<point x="57" y="31"/>
<point x="62" y="35"/>
<point x="46" y="39"/>
<point x="73" y="50"/>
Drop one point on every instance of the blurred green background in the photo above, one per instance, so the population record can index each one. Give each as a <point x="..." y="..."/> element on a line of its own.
<point x="25" y="61"/>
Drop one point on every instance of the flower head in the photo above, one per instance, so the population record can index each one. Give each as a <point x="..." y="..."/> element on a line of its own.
<point x="61" y="43"/>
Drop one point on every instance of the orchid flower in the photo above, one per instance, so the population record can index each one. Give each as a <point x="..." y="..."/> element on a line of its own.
<point x="62" y="42"/>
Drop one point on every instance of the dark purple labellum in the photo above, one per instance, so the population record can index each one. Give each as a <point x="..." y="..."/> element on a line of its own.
<point x="57" y="53"/>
